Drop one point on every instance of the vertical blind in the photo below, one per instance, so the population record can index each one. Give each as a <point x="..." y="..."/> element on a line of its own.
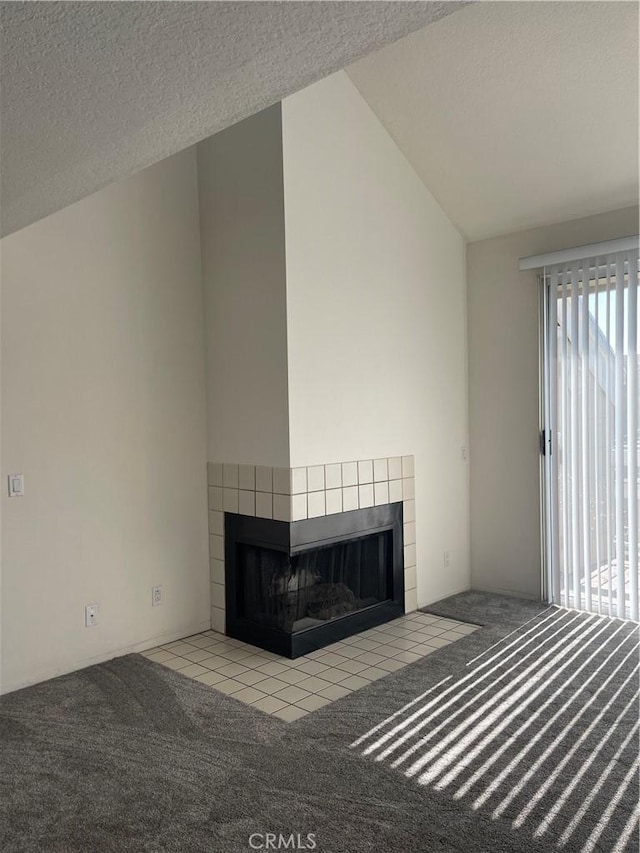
<point x="592" y="402"/>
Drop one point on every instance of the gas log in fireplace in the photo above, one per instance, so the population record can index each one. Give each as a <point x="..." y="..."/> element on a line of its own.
<point x="294" y="587"/>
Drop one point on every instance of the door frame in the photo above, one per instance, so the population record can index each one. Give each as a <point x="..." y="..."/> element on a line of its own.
<point x="545" y="442"/>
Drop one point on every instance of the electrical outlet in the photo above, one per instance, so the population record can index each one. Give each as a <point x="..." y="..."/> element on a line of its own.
<point x="156" y="596"/>
<point x="447" y="559"/>
<point x="91" y="615"/>
<point x="463" y="453"/>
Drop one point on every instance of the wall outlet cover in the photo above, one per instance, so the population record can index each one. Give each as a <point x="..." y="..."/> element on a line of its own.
<point x="156" y="596"/>
<point x="91" y="615"/>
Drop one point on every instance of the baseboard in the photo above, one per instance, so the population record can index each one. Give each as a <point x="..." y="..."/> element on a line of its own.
<point x="55" y="672"/>
<point x="442" y="597"/>
<point x="513" y="593"/>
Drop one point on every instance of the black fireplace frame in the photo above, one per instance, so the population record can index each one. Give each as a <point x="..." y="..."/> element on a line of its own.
<point x="295" y="538"/>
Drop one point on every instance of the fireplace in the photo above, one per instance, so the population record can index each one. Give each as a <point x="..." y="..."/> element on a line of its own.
<point x="293" y="587"/>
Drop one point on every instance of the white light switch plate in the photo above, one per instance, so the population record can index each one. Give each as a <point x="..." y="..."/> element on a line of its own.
<point x="16" y="485"/>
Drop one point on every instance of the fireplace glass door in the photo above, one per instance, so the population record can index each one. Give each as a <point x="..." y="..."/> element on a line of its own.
<point x="307" y="589"/>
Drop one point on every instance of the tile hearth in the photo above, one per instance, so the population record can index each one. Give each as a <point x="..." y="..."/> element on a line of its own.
<point x="290" y="689"/>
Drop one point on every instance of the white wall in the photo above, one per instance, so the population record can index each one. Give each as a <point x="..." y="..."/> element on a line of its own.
<point x="376" y="315"/>
<point x="242" y="222"/>
<point x="103" y="411"/>
<point x="503" y="398"/>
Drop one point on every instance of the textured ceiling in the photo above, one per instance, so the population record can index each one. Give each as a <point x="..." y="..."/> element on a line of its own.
<point x="94" y="91"/>
<point x="516" y="114"/>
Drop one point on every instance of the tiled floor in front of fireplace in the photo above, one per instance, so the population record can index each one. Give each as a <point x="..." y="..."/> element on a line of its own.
<point x="289" y="689"/>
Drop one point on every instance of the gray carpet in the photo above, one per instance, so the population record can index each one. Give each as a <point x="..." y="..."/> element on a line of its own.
<point x="525" y="740"/>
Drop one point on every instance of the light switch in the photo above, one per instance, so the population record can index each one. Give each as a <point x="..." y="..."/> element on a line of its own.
<point x="16" y="485"/>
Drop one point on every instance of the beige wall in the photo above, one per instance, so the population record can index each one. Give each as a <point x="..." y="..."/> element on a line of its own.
<point x="103" y="411"/>
<point x="242" y="222"/>
<point x="503" y="397"/>
<point x="376" y="316"/>
<point x="335" y="323"/>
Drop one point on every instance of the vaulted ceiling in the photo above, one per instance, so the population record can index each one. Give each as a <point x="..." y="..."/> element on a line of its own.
<point x="94" y="91"/>
<point x="516" y="114"/>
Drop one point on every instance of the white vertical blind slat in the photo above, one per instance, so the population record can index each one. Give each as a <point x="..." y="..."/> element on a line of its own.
<point x="585" y="438"/>
<point x="632" y="431"/>
<point x="608" y="441"/>
<point x="575" y="440"/>
<point x="566" y="439"/>
<point x="619" y="436"/>
<point x="597" y="441"/>
<point x="546" y="462"/>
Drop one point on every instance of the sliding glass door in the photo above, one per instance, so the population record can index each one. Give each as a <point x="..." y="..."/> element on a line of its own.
<point x="591" y="440"/>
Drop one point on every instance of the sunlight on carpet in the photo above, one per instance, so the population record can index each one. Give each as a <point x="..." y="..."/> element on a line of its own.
<point x="542" y="731"/>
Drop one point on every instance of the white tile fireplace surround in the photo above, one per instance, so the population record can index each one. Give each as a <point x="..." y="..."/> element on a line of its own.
<point x="296" y="494"/>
